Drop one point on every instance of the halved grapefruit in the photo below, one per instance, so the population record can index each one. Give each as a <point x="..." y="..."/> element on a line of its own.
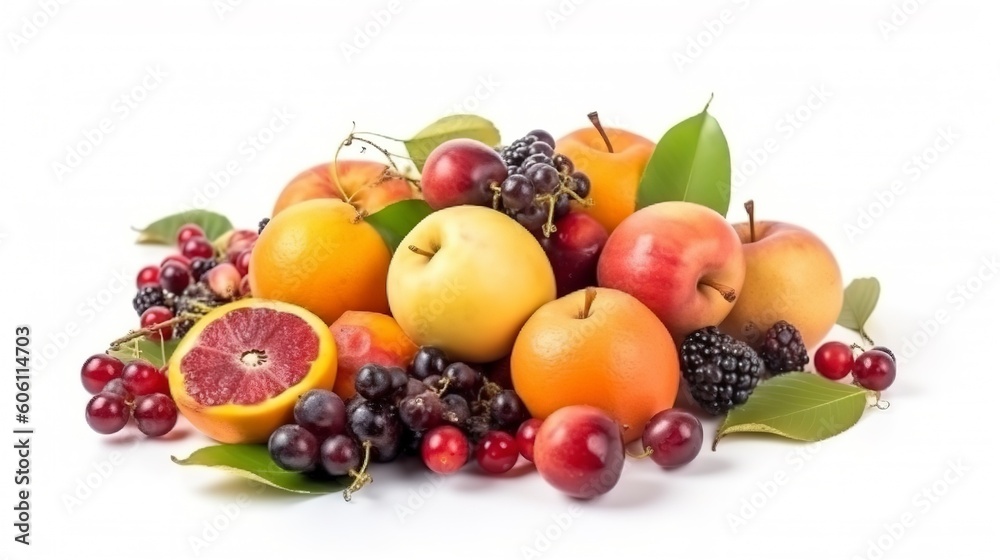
<point x="237" y="373"/>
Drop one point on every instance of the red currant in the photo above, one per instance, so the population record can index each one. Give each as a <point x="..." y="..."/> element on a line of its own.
<point x="526" y="438"/>
<point x="156" y="414"/>
<point x="177" y="259"/>
<point x="874" y="370"/>
<point x="174" y="277"/>
<point x="107" y="413"/>
<point x="148" y="276"/>
<point x="98" y="370"/>
<point x="674" y="437"/>
<point x="197" y="248"/>
<point x="141" y="378"/>
<point x="496" y="452"/>
<point x="242" y="262"/>
<point x="188" y="231"/>
<point x="445" y="449"/>
<point x="154" y="316"/>
<point x="834" y="360"/>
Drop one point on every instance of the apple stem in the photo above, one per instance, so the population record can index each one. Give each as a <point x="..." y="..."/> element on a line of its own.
<point x="596" y="121"/>
<point x="728" y="293"/>
<point x="588" y="300"/>
<point x="420" y="251"/>
<point x="748" y="206"/>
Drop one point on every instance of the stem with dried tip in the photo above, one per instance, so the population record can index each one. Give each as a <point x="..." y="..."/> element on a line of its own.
<point x="132" y="335"/>
<point x="361" y="476"/>
<point x="420" y="251"/>
<point x="596" y="121"/>
<point x="748" y="206"/>
<point x="728" y="293"/>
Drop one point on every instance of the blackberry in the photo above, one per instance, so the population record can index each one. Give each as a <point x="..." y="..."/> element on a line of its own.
<point x="200" y="266"/>
<point x="720" y="371"/>
<point x="147" y="297"/>
<point x="783" y="349"/>
<point x="263" y="223"/>
<point x="197" y="299"/>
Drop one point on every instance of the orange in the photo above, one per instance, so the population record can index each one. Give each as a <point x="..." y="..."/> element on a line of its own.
<point x="317" y="254"/>
<point x="237" y="373"/>
<point x="367" y="338"/>
<point x="610" y="352"/>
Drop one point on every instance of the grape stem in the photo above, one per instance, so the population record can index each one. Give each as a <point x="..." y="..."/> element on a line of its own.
<point x="645" y="453"/>
<point x="748" y="206"/>
<point x="152" y="329"/>
<point x="361" y="477"/>
<point x="596" y="121"/>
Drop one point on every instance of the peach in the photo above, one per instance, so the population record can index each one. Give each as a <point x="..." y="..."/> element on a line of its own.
<point x="362" y="181"/>
<point x="363" y="338"/>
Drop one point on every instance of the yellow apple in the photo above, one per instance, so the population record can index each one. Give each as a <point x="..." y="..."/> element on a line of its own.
<point x="465" y="279"/>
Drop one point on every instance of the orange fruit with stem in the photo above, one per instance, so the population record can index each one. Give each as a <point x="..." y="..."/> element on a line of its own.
<point x="598" y="347"/>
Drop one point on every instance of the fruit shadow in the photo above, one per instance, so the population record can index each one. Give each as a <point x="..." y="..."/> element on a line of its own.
<point x="231" y="488"/>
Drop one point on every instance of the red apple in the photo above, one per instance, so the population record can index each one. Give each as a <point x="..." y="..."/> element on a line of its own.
<point x="461" y="171"/>
<point x="573" y="251"/>
<point x="683" y="260"/>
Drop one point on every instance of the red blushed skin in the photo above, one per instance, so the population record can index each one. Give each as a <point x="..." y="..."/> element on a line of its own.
<point x="664" y="254"/>
<point x="460" y="172"/>
<point x="573" y="251"/>
<point x="360" y="180"/>
<point x="580" y="450"/>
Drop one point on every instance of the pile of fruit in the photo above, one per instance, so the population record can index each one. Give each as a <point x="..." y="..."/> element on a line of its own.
<point x="551" y="301"/>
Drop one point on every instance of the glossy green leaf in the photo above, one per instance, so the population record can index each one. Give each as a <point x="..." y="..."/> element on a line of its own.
<point x="691" y="163"/>
<point x="164" y="231"/>
<point x="397" y="219"/>
<point x="156" y="353"/>
<point x="449" y="128"/>
<point x="254" y="462"/>
<point x="797" y="405"/>
<point x="860" y="298"/>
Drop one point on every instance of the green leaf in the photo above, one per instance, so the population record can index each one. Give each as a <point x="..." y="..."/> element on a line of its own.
<point x="449" y="128"/>
<point x="397" y="219"/>
<point x="798" y="405"/>
<point x="145" y="349"/>
<point x="164" y="230"/>
<point x="254" y="462"/>
<point x="860" y="298"/>
<point x="691" y="163"/>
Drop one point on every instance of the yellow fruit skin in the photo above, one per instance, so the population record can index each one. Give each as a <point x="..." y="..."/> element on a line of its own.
<point x="317" y="255"/>
<point x="791" y="275"/>
<point x="487" y="276"/>
<point x="231" y="423"/>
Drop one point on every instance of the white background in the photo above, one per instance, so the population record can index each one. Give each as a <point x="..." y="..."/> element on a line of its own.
<point x="890" y="92"/>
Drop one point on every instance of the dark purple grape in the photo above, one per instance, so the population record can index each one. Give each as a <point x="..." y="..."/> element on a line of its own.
<point x="581" y="184"/>
<point x="434" y="381"/>
<point x="507" y="409"/>
<point x="533" y="217"/>
<point x="399" y="380"/>
<point x="321" y="412"/>
<point x="379" y="424"/>
<point x="340" y="455"/>
<point x="462" y="378"/>
<point x="562" y="207"/>
<point x="517" y="192"/>
<point x="535" y="159"/>
<point x="542" y="136"/>
<point x="293" y="448"/>
<point x="373" y="382"/>
<point x="456" y="409"/>
<point x="414" y="387"/>
<point x="540" y="148"/>
<point x="544" y="177"/>
<point x="562" y="163"/>
<point x="422" y="412"/>
<point x="428" y="361"/>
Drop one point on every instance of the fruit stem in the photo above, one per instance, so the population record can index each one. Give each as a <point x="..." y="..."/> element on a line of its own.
<point x="645" y="453"/>
<point x="134" y="334"/>
<point x="865" y="337"/>
<point x="361" y="477"/>
<point x="549" y="228"/>
<point x="596" y="121"/>
<point x="420" y="251"/>
<point x="588" y="300"/>
<point x="748" y="206"/>
<point x="728" y="293"/>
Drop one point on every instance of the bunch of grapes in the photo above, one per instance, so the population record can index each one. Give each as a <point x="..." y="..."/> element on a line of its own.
<point x="122" y="392"/>
<point x="447" y="412"/>
<point x="192" y="282"/>
<point x="540" y="183"/>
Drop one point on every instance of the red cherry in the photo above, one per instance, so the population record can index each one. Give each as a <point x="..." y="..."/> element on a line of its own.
<point x="148" y="276"/>
<point x="526" y="438"/>
<point x="674" y="437"/>
<point x="197" y="248"/>
<point x="188" y="231"/>
<point x="834" y="360"/>
<point x="445" y="449"/>
<point x="874" y="370"/>
<point x="153" y="316"/>
<point x="496" y="452"/>
<point x="98" y="370"/>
